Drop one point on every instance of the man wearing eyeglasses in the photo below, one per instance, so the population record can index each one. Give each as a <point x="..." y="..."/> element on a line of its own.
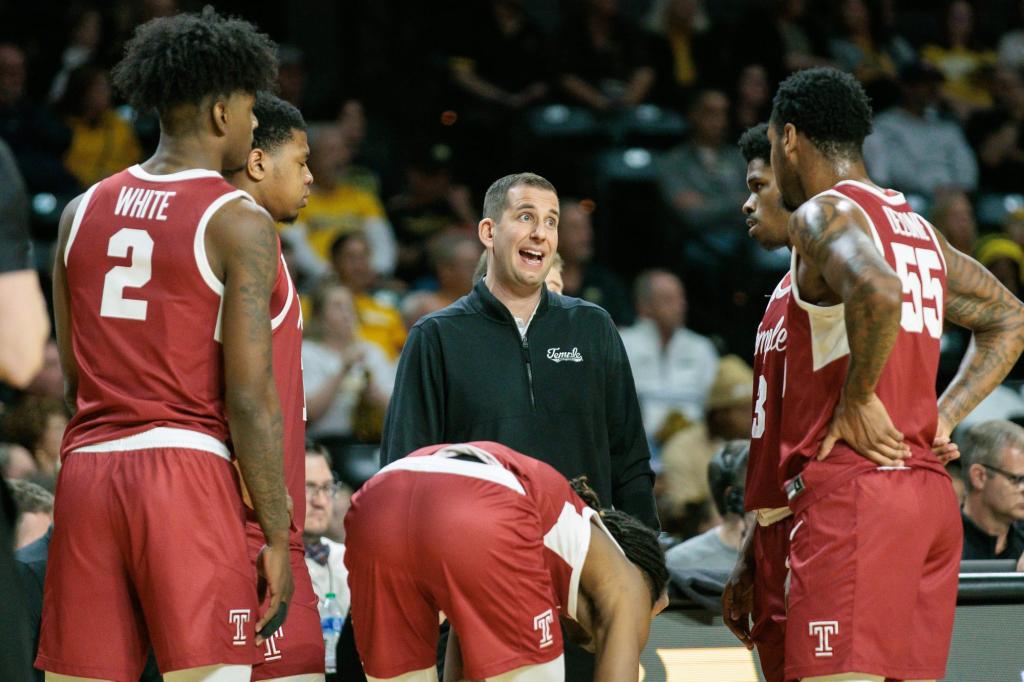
<point x="324" y="557"/>
<point x="993" y="470"/>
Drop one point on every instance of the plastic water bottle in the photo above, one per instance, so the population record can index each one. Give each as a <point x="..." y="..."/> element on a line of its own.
<point x="330" y="624"/>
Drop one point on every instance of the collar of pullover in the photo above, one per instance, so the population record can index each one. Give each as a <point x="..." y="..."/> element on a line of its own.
<point x="486" y="303"/>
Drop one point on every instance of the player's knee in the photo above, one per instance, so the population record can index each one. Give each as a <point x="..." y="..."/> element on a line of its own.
<point x="552" y="671"/>
<point x="211" y="673"/>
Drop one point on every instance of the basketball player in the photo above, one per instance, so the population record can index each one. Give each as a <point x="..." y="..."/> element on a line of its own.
<point x="875" y="548"/>
<point x="757" y="585"/>
<point x="276" y="176"/>
<point x="512" y="549"/>
<point x="162" y="288"/>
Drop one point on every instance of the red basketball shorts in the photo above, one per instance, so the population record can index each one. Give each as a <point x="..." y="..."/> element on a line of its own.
<point x="873" y="582"/>
<point x="297" y="648"/>
<point x="420" y="543"/>
<point x="148" y="549"/>
<point x="771" y="548"/>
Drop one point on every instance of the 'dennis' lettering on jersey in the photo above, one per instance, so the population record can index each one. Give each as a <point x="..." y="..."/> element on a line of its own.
<point x="147" y="204"/>
<point x="907" y="224"/>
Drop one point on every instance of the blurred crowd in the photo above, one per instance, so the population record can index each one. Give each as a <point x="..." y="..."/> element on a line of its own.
<point x="632" y="108"/>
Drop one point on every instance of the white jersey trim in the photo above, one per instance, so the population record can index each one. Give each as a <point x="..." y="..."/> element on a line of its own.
<point x="441" y="464"/>
<point x="569" y="538"/>
<point x="279" y="318"/>
<point x="894" y="199"/>
<point x="199" y="243"/>
<point x="162" y="437"/>
<point x="190" y="174"/>
<point x="77" y="221"/>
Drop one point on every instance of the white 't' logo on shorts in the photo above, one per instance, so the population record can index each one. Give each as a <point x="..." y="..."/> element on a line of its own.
<point x="543" y="623"/>
<point x="239" y="617"/>
<point x="271" y="651"/>
<point x="823" y="629"/>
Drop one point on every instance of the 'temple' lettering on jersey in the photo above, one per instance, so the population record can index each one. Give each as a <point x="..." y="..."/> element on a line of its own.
<point x="907" y="224"/>
<point x="147" y="204"/>
<point x="771" y="339"/>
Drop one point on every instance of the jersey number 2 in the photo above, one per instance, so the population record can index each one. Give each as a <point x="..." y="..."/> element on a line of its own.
<point x="123" y="277"/>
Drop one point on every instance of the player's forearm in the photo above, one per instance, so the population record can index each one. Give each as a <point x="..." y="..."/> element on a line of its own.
<point x="618" y="645"/>
<point x="256" y="434"/>
<point x="990" y="357"/>
<point x="872" y="310"/>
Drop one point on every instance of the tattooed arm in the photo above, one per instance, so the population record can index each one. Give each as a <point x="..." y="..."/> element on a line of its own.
<point x="976" y="300"/>
<point x="245" y="254"/>
<point x="831" y="237"/>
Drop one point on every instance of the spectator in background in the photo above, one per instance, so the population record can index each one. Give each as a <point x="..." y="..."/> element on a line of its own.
<point x="336" y="207"/>
<point x="324" y="557"/>
<point x="753" y="100"/>
<point x="953" y="214"/>
<point x="682" y="484"/>
<point x="688" y="56"/>
<point x="1004" y="258"/>
<point x="702" y="180"/>
<point x="502" y="64"/>
<point x="37" y="139"/>
<point x="348" y="381"/>
<point x="582" y="276"/>
<point x="35" y="512"/>
<point x="717" y="549"/>
<point x="604" y="64"/>
<point x="37" y="424"/>
<point x="379" y="319"/>
<point x="417" y="305"/>
<point x="430" y="203"/>
<point x="85" y="37"/>
<point x="455" y="257"/>
<point x="102" y="143"/>
<point x="291" y="74"/>
<point x="783" y="35"/>
<point x="865" y="47"/>
<point x="997" y="134"/>
<point x="912" y="147"/>
<point x="353" y="125"/>
<point x="963" y="60"/>
<point x="673" y="367"/>
<point x="992" y="458"/>
<point x="1011" y="43"/>
<point x="16" y="461"/>
<point x="24" y="323"/>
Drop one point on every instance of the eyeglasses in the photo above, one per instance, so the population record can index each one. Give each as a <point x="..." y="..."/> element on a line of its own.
<point x="1013" y="478"/>
<point x="328" y="489"/>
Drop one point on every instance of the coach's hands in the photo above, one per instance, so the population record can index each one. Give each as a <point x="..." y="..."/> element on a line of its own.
<point x="275" y="576"/>
<point x="867" y="428"/>
<point x="738" y="600"/>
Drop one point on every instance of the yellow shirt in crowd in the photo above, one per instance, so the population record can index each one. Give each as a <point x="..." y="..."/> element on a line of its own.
<point x="99" y="151"/>
<point x="341" y="210"/>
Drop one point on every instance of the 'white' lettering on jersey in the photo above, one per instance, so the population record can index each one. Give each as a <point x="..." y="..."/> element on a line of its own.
<point x="148" y="204"/>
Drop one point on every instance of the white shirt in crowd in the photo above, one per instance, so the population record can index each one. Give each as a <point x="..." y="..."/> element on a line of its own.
<point x="320" y="363"/>
<point x="333" y="577"/>
<point x="678" y="377"/>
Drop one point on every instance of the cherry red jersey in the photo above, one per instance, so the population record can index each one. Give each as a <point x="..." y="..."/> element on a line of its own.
<point x="145" y="307"/>
<point x="565" y="519"/>
<point x="817" y="354"/>
<point x="286" y="321"/>
<point x="763" y="488"/>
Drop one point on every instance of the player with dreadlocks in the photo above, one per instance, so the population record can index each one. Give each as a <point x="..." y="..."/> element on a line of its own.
<point x="502" y="545"/>
<point x="162" y="292"/>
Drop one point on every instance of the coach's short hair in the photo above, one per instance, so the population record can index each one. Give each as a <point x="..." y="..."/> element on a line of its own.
<point x="985" y="442"/>
<point x="827" y="105"/>
<point x="185" y="58"/>
<point x="278" y="120"/>
<point x="754" y="144"/>
<point x="496" y="199"/>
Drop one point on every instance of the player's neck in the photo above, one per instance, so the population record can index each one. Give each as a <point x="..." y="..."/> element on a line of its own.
<point x="825" y="173"/>
<point x="178" y="153"/>
<point x="984" y="519"/>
